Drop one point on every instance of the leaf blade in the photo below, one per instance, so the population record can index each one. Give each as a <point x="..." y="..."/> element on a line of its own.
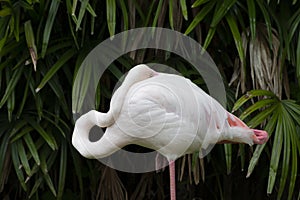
<point x="111" y="16"/>
<point x="63" y="59"/>
<point x="49" y="24"/>
<point x="50" y="140"/>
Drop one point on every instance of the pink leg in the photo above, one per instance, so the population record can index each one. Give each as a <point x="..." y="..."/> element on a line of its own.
<point x="172" y="180"/>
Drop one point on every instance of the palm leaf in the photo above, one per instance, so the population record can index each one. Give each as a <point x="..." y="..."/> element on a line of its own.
<point x="157" y="13"/>
<point x="31" y="43"/>
<point x="171" y="14"/>
<point x="184" y="9"/>
<point x="50" y="184"/>
<point x="249" y="95"/>
<point x="64" y="58"/>
<point x="20" y="134"/>
<point x="11" y="85"/>
<point x="47" y="137"/>
<point x="237" y="37"/>
<point x="36" y="186"/>
<point x="4" y="38"/>
<point x="25" y="97"/>
<point x="49" y="24"/>
<point x="125" y="14"/>
<point x="82" y="11"/>
<point x="267" y="19"/>
<point x="276" y="152"/>
<point x="298" y="58"/>
<point x="17" y="164"/>
<point x="10" y="104"/>
<point x="3" y="153"/>
<point x="199" y="3"/>
<point x="252" y="17"/>
<point x="221" y="10"/>
<point x="288" y="127"/>
<point x="62" y="170"/>
<point x="199" y="17"/>
<point x="111" y="16"/>
<point x="281" y="116"/>
<point x="209" y="37"/>
<point x="32" y="148"/>
<point x="23" y="158"/>
<point x="258" y="106"/>
<point x="78" y="170"/>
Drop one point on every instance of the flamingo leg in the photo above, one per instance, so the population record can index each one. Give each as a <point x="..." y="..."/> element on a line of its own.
<point x="172" y="180"/>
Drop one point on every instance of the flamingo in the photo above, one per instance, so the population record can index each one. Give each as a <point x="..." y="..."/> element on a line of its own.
<point x="164" y="112"/>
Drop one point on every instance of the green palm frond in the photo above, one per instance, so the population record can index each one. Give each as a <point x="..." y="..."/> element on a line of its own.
<point x="282" y="118"/>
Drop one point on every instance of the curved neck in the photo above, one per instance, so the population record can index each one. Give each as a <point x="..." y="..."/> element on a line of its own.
<point x="105" y="146"/>
<point x="118" y="98"/>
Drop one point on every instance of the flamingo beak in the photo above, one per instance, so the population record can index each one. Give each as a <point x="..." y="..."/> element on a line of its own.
<point x="259" y="137"/>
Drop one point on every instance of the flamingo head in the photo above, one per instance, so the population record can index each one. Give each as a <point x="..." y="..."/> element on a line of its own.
<point x="141" y="72"/>
<point x="242" y="133"/>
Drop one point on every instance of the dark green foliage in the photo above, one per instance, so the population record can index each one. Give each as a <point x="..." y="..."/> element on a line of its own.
<point x="255" y="44"/>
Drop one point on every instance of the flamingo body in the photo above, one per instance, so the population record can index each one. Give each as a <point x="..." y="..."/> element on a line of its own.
<point x="164" y="112"/>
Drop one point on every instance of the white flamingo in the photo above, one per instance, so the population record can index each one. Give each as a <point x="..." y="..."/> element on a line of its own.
<point x="164" y="112"/>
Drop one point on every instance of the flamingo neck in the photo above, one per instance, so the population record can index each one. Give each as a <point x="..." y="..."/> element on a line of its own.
<point x="118" y="97"/>
<point x="116" y="103"/>
<point x="107" y="144"/>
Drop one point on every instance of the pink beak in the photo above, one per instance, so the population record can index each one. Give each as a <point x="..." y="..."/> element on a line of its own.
<point x="259" y="137"/>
